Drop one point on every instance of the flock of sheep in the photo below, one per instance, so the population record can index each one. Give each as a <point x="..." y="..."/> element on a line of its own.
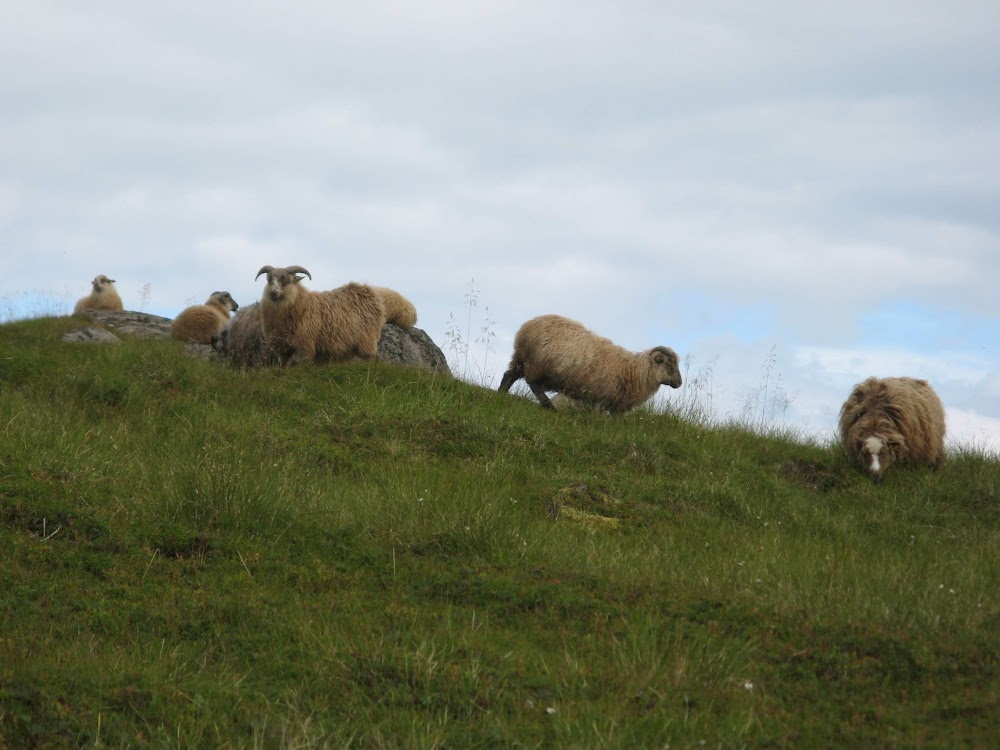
<point x="885" y="421"/>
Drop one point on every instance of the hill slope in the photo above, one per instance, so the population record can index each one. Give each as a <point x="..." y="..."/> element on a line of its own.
<point x="195" y="556"/>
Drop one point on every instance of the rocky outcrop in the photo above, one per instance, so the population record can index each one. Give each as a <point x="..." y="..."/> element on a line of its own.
<point x="412" y="347"/>
<point x="139" y="324"/>
<point x="404" y="346"/>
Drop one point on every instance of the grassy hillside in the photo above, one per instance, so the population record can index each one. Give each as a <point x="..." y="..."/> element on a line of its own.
<point x="366" y="556"/>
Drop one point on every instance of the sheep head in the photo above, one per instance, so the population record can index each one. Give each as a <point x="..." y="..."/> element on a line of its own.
<point x="282" y="283"/>
<point x="878" y="452"/>
<point x="100" y="282"/>
<point x="664" y="362"/>
<point x="223" y="300"/>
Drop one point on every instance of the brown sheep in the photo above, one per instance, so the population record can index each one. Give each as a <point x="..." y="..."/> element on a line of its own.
<point x="553" y="353"/>
<point x="887" y="421"/>
<point x="200" y="323"/>
<point x="103" y="297"/>
<point x="319" y="326"/>
<point x="398" y="310"/>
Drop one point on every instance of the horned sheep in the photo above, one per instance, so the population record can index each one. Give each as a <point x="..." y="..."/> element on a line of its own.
<point x="333" y="325"/>
<point x="888" y="421"/>
<point x="200" y="323"/>
<point x="104" y="296"/>
<point x="553" y="353"/>
<point x="398" y="310"/>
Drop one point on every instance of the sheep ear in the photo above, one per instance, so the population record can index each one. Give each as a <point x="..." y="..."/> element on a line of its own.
<point x="297" y="270"/>
<point x="263" y="269"/>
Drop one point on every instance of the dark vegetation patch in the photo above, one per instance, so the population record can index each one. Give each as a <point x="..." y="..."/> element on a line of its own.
<point x="34" y="507"/>
<point x="812" y="475"/>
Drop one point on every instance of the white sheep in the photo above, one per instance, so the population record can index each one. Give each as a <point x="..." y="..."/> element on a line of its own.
<point x="200" y="323"/>
<point x="553" y="353"/>
<point x="103" y="297"/>
<point x="398" y="310"/>
<point x="886" y="421"/>
<point x="319" y="326"/>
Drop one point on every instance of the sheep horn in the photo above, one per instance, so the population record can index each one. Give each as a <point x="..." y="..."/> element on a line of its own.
<point x="299" y="269"/>
<point x="263" y="269"/>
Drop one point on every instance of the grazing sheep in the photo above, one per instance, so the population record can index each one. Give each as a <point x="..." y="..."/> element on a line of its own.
<point x="886" y="421"/>
<point x="553" y="353"/>
<point x="319" y="326"/>
<point x="103" y="297"/>
<point x="200" y="323"/>
<point x="398" y="310"/>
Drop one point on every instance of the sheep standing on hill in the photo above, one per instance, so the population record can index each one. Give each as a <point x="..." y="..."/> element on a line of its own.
<point x="200" y="323"/>
<point x="553" y="353"/>
<point x="886" y="421"/>
<point x="319" y="326"/>
<point x="398" y="310"/>
<point x="103" y="297"/>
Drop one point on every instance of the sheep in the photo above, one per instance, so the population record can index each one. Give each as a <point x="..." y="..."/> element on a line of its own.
<point x="558" y="354"/>
<point x="242" y="340"/>
<point x="319" y="326"/>
<point x="200" y="323"/>
<point x="398" y="310"/>
<point x="103" y="297"/>
<point x="888" y="421"/>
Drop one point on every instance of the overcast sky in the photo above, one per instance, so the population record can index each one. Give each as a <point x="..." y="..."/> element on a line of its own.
<point x="807" y="192"/>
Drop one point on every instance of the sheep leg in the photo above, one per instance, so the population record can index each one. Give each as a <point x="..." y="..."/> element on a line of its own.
<point x="509" y="378"/>
<point x="541" y="395"/>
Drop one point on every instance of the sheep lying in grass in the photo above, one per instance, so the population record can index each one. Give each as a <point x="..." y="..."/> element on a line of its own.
<point x="201" y="323"/>
<point x="553" y="353"/>
<point x="103" y="297"/>
<point x="398" y="310"/>
<point x="242" y="341"/>
<point x="319" y="326"/>
<point x="888" y="421"/>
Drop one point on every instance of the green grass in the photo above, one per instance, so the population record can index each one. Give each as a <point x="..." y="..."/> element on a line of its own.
<point x="367" y="556"/>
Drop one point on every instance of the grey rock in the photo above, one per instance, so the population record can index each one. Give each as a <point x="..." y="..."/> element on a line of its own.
<point x="90" y="335"/>
<point x="142" y="325"/>
<point x="411" y="347"/>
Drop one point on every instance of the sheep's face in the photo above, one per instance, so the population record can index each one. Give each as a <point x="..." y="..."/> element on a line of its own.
<point x="101" y="282"/>
<point x="281" y="285"/>
<point x="666" y="365"/>
<point x="877" y="453"/>
<point x="223" y="300"/>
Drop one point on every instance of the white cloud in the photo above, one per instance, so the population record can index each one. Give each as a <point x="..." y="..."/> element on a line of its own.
<point x="969" y="429"/>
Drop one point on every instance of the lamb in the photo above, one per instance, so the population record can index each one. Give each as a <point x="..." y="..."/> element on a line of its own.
<point x="319" y="326"/>
<point x="887" y="421"/>
<point x="200" y="323"/>
<point x="103" y="297"/>
<point x="558" y="354"/>
<point x="398" y="310"/>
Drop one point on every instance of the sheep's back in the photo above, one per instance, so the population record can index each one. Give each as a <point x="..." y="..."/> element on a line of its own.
<point x="398" y="309"/>
<point x="199" y="323"/>
<point x="907" y="406"/>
